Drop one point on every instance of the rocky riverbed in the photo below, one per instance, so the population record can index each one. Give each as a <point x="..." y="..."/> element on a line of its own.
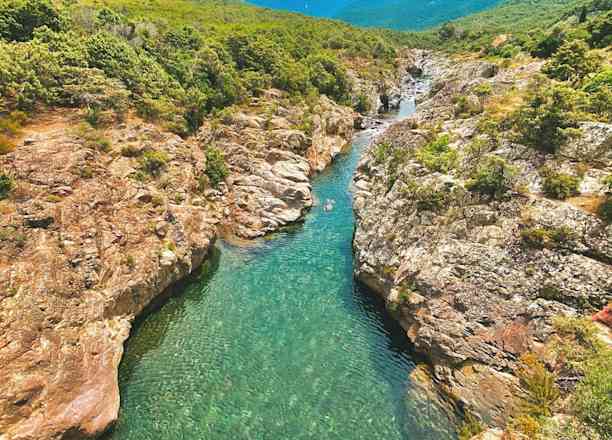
<point x="456" y="268"/>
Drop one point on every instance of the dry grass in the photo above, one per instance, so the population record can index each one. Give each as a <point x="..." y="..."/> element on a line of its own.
<point x="587" y="203"/>
<point x="499" y="107"/>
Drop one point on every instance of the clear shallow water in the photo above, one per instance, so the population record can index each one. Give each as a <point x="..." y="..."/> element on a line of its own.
<point x="277" y="341"/>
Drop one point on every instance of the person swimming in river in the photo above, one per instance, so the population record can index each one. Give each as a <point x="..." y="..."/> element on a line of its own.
<point x="329" y="205"/>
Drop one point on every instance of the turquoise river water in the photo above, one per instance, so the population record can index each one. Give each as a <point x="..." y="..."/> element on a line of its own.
<point x="277" y="341"/>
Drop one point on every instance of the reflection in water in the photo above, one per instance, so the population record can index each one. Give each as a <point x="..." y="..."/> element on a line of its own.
<point x="277" y="341"/>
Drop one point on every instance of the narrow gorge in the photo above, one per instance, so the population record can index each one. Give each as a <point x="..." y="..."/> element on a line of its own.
<point x="221" y="221"/>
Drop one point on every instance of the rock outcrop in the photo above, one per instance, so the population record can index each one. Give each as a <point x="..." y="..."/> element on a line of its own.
<point x="455" y="267"/>
<point x="272" y="158"/>
<point x="87" y="242"/>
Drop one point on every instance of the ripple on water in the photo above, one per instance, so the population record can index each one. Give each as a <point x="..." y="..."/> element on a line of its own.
<point x="276" y="342"/>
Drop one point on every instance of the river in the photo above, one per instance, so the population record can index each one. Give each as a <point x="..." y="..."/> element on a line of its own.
<point x="277" y="341"/>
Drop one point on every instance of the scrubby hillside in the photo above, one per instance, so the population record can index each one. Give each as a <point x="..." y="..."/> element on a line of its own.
<point x="173" y="62"/>
<point x="485" y="223"/>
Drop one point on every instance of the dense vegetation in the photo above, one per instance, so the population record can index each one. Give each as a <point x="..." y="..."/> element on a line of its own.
<point x="522" y="22"/>
<point x="171" y="61"/>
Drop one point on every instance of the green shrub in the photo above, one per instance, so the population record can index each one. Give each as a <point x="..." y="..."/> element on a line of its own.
<point x="428" y="197"/>
<point x="560" y="185"/>
<point x="466" y="106"/>
<point x="600" y="103"/>
<point x="605" y="210"/>
<point x="19" y="18"/>
<point x="572" y="62"/>
<point x="600" y="29"/>
<point x="470" y="427"/>
<point x="153" y="162"/>
<point x="6" y="185"/>
<point x="329" y="77"/>
<point x="549" y="44"/>
<point x="541" y="237"/>
<point x="381" y="152"/>
<point x="535" y="237"/>
<point x="493" y="177"/>
<point x="607" y="182"/>
<point x="216" y="169"/>
<point x="483" y="89"/>
<point x="548" y="119"/>
<point x="362" y="104"/>
<point x="130" y="151"/>
<point x="437" y="155"/>
<point x="578" y="340"/>
<point x="600" y="80"/>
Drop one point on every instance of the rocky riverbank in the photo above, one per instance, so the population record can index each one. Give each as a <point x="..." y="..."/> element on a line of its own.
<point x="103" y="219"/>
<point x="477" y="281"/>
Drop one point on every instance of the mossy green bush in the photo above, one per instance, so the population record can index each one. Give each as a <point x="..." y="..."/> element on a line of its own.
<point x="548" y="119"/>
<point x="362" y="105"/>
<point x="543" y="237"/>
<point x="6" y="185"/>
<point x="216" y="169"/>
<point x="492" y="178"/>
<point x="427" y="197"/>
<point x="572" y="62"/>
<point x="20" y="18"/>
<point x="600" y="29"/>
<point x="605" y="209"/>
<point x="437" y="155"/>
<point x="560" y="185"/>
<point x="153" y="162"/>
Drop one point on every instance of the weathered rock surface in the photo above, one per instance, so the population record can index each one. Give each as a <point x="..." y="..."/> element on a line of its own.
<point x="84" y="248"/>
<point x="272" y="159"/>
<point x="470" y="294"/>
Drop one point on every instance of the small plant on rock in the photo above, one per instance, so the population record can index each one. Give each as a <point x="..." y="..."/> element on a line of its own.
<point x="540" y="238"/>
<point x="493" y="177"/>
<point x="437" y="155"/>
<point x="216" y="169"/>
<point x="560" y="185"/>
<point x="605" y="210"/>
<point x="153" y="162"/>
<point x="541" y="391"/>
<point x="130" y="151"/>
<point x="470" y="427"/>
<point x="6" y="185"/>
<point x="381" y="152"/>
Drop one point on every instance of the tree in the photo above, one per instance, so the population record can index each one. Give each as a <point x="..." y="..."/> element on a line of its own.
<point x="572" y="62"/>
<point x="600" y="28"/>
<point x="546" y="121"/>
<point x="329" y="77"/>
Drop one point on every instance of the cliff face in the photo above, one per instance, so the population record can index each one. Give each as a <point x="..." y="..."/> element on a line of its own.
<point x="273" y="148"/>
<point x="85" y="247"/>
<point x="455" y="267"/>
